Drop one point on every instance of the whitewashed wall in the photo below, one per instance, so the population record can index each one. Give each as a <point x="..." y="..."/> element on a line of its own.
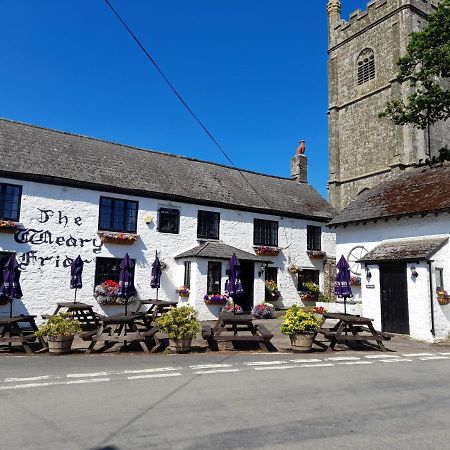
<point x="372" y="234"/>
<point x="66" y="223"/>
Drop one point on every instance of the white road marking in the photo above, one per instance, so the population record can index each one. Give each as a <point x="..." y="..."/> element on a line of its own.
<point x="381" y="356"/>
<point x="92" y="380"/>
<point x="155" y="375"/>
<point x="444" y="353"/>
<point x="317" y="365"/>
<point x="305" y="360"/>
<point x="275" y="367"/>
<point x="430" y="358"/>
<point x="265" y="363"/>
<point x="394" y="360"/>
<point x="205" y="372"/>
<point x="52" y="383"/>
<point x="354" y="363"/>
<point x="411" y="355"/>
<point x="343" y="358"/>
<point x="12" y="380"/>
<point x="159" y="369"/>
<point x="210" y="366"/>
<point x="87" y="375"/>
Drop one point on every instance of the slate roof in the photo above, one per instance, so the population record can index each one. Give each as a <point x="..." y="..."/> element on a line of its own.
<point x="418" y="191"/>
<point x="218" y="250"/>
<point x="41" y="154"/>
<point x="405" y="249"/>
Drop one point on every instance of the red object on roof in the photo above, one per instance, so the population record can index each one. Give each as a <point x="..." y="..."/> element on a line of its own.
<point x="301" y="148"/>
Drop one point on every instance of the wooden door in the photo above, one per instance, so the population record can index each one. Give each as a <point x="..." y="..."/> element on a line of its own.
<point x="247" y="280"/>
<point x="394" y="298"/>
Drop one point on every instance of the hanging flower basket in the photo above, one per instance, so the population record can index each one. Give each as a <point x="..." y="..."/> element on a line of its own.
<point x="266" y="251"/>
<point x="216" y="299"/>
<point x="355" y="280"/>
<point x="8" y="226"/>
<point x="108" y="237"/>
<point x="443" y="298"/>
<point x="293" y="269"/>
<point x="183" y="291"/>
<point x="316" y="254"/>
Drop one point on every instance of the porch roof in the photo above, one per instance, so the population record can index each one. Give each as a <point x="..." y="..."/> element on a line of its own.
<point x="218" y="250"/>
<point x="405" y="249"/>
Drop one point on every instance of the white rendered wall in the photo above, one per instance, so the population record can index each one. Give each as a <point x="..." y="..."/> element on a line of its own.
<point x="69" y="217"/>
<point x="372" y="234"/>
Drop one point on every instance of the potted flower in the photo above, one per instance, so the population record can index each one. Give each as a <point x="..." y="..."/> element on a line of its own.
<point x="181" y="325"/>
<point x="216" y="299"/>
<point x="300" y="326"/>
<point x="107" y="293"/>
<point x="183" y="291"/>
<point x="311" y="292"/>
<point x="263" y="250"/>
<point x="60" y="331"/>
<point x="263" y="311"/>
<point x="355" y="280"/>
<point x="293" y="269"/>
<point x="230" y="306"/>
<point x="442" y="297"/>
<point x="272" y="292"/>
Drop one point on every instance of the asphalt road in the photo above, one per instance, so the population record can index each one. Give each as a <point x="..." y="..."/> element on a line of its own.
<point x="243" y="401"/>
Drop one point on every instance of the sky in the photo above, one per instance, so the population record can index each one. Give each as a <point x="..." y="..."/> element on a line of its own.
<point x="254" y="71"/>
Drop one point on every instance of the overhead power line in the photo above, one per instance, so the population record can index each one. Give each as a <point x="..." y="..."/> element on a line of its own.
<point x="180" y="98"/>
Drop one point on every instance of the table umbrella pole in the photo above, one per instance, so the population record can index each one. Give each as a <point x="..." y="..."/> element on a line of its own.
<point x="75" y="300"/>
<point x="10" y="307"/>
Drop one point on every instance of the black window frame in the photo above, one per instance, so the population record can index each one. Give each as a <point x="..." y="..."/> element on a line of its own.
<point x="125" y="214"/>
<point x="214" y="274"/>
<point x="170" y="213"/>
<point x="263" y="232"/>
<point x="100" y="278"/>
<point x="4" y="256"/>
<point x="187" y="274"/>
<point x="213" y="225"/>
<point x="270" y="270"/>
<point x="313" y="238"/>
<point x="3" y="187"/>
<point x="307" y="275"/>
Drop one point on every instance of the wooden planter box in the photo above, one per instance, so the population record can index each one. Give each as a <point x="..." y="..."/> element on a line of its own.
<point x="118" y="238"/>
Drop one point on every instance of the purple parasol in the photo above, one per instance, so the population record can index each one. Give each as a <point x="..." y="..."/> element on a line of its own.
<point x="155" y="281"/>
<point x="233" y="284"/>
<point x="76" y="271"/>
<point x="342" y="287"/>
<point x="126" y="279"/>
<point x="11" y="286"/>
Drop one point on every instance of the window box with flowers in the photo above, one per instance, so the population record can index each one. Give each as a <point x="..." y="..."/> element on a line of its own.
<point x="262" y="250"/>
<point x="9" y="226"/>
<point x="271" y="290"/>
<point x="183" y="291"/>
<point x="216" y="299"/>
<point x="107" y="293"/>
<point x="111" y="237"/>
<point x="442" y="297"/>
<point x="311" y="294"/>
<point x="316" y="254"/>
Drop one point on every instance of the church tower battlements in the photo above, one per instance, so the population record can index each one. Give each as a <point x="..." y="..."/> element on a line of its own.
<point x="362" y="69"/>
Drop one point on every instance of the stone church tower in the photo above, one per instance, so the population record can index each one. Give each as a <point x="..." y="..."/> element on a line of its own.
<point x="363" y="55"/>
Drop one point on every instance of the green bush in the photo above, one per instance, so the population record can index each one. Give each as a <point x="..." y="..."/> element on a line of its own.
<point x="179" y="323"/>
<point x="61" y="325"/>
<point x="323" y="298"/>
<point x="298" y="321"/>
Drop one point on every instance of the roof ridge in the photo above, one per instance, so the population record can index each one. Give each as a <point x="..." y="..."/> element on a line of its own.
<point x="132" y="147"/>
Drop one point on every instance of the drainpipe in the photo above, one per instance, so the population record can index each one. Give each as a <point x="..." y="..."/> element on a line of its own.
<point x="433" y="331"/>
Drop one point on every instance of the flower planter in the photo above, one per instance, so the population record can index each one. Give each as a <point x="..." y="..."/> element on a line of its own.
<point x="180" y="345"/>
<point x="301" y="343"/>
<point x="117" y="238"/>
<point x="316" y="254"/>
<point x="59" y="344"/>
<point x="216" y="302"/>
<point x="8" y="226"/>
<point x="307" y="297"/>
<point x="267" y="251"/>
<point x="444" y="299"/>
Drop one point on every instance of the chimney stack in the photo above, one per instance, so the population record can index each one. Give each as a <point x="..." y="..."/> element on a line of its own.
<point x="299" y="164"/>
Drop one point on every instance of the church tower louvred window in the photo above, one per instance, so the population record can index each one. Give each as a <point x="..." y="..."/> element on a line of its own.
<point x="366" y="66"/>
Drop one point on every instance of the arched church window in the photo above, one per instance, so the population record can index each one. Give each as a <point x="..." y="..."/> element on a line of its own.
<point x="366" y="66"/>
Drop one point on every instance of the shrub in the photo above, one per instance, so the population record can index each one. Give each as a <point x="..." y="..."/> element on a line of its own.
<point x="179" y="323"/>
<point x="61" y="325"/>
<point x="297" y="321"/>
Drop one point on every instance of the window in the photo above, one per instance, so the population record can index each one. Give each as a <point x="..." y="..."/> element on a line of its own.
<point x="314" y="238"/>
<point x="10" y="196"/>
<point x="187" y="274"/>
<point x="214" y="277"/>
<point x="118" y="215"/>
<point x="307" y="275"/>
<point x="4" y="256"/>
<point x="107" y="269"/>
<point x="168" y="220"/>
<point x="271" y="274"/>
<point x="439" y="278"/>
<point x="208" y="225"/>
<point x="265" y="232"/>
<point x="366" y="66"/>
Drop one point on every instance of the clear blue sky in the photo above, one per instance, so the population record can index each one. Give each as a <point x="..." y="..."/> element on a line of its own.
<point x="255" y="71"/>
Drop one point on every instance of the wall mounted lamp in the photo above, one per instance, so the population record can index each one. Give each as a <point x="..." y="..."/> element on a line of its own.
<point x="264" y="265"/>
<point x="414" y="272"/>
<point x="368" y="273"/>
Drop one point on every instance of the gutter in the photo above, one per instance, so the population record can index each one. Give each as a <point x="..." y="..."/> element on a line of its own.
<point x="433" y="331"/>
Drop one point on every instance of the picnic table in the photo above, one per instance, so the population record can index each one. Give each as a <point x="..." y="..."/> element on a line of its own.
<point x="360" y="328"/>
<point x="237" y="324"/>
<point x="124" y="329"/>
<point x="83" y="312"/>
<point x="12" y="333"/>
<point x="156" y="307"/>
